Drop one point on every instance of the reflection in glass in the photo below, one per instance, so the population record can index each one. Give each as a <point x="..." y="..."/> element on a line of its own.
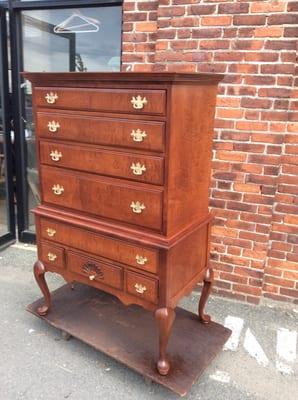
<point x="3" y="189"/>
<point x="57" y="40"/>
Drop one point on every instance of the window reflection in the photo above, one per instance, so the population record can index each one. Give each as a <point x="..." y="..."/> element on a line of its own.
<point x="59" y="40"/>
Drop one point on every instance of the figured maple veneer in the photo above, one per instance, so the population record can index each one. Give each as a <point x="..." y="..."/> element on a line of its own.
<point x="137" y="167"/>
<point x="102" y="196"/>
<point x="107" y="131"/>
<point x="102" y="99"/>
<point x="125" y="164"/>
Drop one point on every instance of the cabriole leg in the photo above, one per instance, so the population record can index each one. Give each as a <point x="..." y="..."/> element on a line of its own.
<point x="165" y="318"/>
<point x="39" y="271"/>
<point x="208" y="280"/>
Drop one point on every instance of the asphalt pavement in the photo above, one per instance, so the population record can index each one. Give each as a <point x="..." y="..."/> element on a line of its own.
<point x="258" y="363"/>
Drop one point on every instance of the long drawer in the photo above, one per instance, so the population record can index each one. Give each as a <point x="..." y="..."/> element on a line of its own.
<point x="140" y="168"/>
<point x="105" y="197"/>
<point x="138" y="134"/>
<point x="144" y="258"/>
<point x="110" y="100"/>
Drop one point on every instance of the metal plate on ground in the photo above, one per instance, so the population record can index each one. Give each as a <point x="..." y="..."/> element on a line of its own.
<point x="129" y="334"/>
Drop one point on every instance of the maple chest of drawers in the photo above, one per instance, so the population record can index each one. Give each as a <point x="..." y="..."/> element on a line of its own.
<point x="124" y="164"/>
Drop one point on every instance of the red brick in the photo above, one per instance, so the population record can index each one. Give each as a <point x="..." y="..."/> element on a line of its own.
<point x="281" y="19"/>
<point x="280" y="45"/>
<point x="289" y="292"/>
<point x="216" y="20"/>
<point x="277" y="69"/>
<point x="249" y="19"/>
<point x="274" y="92"/>
<point x="255" y="103"/>
<point x="145" y="26"/>
<point x="206" y="33"/>
<point x="251" y="126"/>
<point x="259" y="80"/>
<point x="267" y="138"/>
<point x="291" y="32"/>
<point x="248" y="44"/>
<point x="236" y="8"/>
<point x="201" y="9"/>
<point x="279" y="281"/>
<point x="267" y="7"/>
<point x="293" y="6"/>
<point x="214" y="44"/>
<point x="246" y="289"/>
<point x="266" y="31"/>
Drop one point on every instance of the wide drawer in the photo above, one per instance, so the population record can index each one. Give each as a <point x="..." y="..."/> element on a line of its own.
<point x="108" y="100"/>
<point x="94" y="270"/>
<point x="104" y="246"/>
<point x="87" y="158"/>
<point x="142" y="286"/>
<point x="51" y="255"/>
<point x="100" y="130"/>
<point x="105" y="197"/>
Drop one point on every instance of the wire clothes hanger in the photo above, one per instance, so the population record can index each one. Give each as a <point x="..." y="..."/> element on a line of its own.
<point x="75" y="22"/>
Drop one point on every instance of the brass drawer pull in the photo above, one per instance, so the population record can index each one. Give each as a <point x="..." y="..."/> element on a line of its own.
<point x="137" y="207"/>
<point x="138" y="169"/>
<point x="51" y="232"/>
<point x="55" y="155"/>
<point x="51" y="98"/>
<point x="138" y="135"/>
<point x="138" y="102"/>
<point x="52" y="256"/>
<point x="53" y="126"/>
<point x="57" y="189"/>
<point x="140" y="288"/>
<point x="141" y="260"/>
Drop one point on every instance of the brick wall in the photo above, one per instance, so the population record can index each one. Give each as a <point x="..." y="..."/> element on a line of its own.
<point x="255" y="171"/>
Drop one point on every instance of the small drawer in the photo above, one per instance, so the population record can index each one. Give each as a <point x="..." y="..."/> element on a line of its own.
<point x="142" y="286"/>
<point x="104" y="246"/>
<point x="94" y="270"/>
<point x="102" y="196"/>
<point x="109" y="100"/>
<point x="137" y="134"/>
<point x="136" y="167"/>
<point x="51" y="255"/>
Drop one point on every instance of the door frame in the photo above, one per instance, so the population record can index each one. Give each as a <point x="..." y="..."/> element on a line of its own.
<point x="15" y="8"/>
<point x="10" y="236"/>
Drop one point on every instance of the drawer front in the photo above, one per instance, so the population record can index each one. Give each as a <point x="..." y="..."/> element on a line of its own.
<point x="104" y="246"/>
<point x="99" y="130"/>
<point x="105" y="197"/>
<point x="122" y="165"/>
<point x="51" y="255"/>
<point x="94" y="270"/>
<point x="142" y="286"/>
<point x="108" y="100"/>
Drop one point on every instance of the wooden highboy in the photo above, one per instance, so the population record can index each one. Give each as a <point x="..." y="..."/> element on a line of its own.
<point x="124" y="166"/>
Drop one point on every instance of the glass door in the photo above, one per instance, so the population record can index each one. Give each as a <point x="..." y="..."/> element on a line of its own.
<point x="7" y="217"/>
<point x="54" y="36"/>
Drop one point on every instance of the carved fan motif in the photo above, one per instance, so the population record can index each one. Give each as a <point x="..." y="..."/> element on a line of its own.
<point x="90" y="268"/>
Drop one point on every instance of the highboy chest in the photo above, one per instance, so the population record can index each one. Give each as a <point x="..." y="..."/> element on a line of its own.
<point x="124" y="166"/>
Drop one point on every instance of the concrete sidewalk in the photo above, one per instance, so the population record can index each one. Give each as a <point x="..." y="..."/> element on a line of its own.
<point x="36" y="363"/>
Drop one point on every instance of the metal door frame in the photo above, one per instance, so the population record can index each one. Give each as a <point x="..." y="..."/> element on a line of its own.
<point x="10" y="236"/>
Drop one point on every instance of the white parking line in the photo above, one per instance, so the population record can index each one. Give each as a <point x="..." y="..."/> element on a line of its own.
<point x="254" y="349"/>
<point x="236" y="326"/>
<point x="220" y="376"/>
<point x="285" y="350"/>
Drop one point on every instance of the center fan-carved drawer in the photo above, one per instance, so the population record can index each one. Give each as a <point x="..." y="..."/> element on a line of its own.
<point x="106" y="197"/>
<point x="118" y="164"/>
<point x="116" y="250"/>
<point x="139" y="101"/>
<point x="138" y="134"/>
<point x="94" y="270"/>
